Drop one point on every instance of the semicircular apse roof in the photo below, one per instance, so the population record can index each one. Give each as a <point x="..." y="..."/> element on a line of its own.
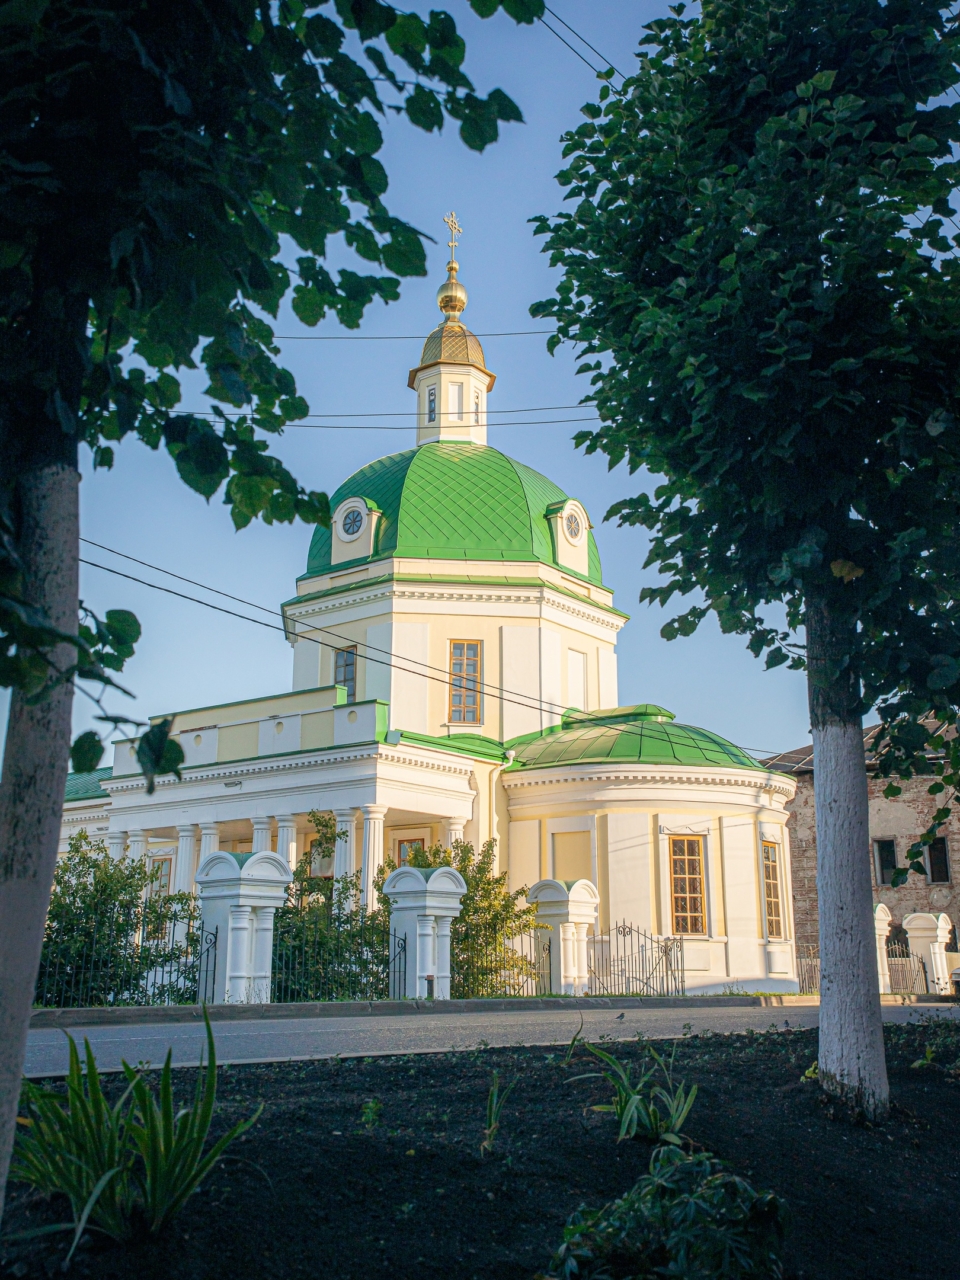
<point x="646" y="734"/>
<point x="453" y="501"/>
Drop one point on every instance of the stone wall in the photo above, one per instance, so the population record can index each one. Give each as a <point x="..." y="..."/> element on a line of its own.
<point x="903" y="820"/>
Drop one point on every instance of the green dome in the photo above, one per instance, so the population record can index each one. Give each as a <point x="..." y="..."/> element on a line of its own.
<point x="636" y="735"/>
<point x="453" y="501"/>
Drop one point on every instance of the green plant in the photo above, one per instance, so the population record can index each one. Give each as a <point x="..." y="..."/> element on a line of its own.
<point x="812" y="1072"/>
<point x="655" y="1112"/>
<point x="370" y="1113"/>
<point x="495" y="1104"/>
<point x="127" y="1168"/>
<point x="927" y="1059"/>
<point x="687" y="1217"/>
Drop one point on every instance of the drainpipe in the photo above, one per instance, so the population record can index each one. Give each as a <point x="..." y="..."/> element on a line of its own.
<point x="494" y="778"/>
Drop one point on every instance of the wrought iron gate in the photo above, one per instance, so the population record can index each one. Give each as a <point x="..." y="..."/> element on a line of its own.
<point x="627" y="961"/>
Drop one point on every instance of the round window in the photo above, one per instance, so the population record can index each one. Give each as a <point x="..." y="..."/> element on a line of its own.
<point x="573" y="526"/>
<point x="352" y="522"/>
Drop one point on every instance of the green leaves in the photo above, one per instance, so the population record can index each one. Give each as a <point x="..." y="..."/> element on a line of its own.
<point x="86" y="752"/>
<point x="158" y="753"/>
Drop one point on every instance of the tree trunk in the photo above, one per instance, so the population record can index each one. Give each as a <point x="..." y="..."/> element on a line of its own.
<point x="34" y="773"/>
<point x="852" y="1066"/>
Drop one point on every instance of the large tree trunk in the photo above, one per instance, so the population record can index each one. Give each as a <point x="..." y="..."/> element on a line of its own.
<point x="34" y="772"/>
<point x="851" y="1060"/>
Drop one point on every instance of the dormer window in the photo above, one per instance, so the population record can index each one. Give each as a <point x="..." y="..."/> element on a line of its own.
<point x="352" y="522"/>
<point x="432" y="404"/>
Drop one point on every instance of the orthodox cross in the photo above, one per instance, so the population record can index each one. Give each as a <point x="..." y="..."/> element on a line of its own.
<point x="455" y="230"/>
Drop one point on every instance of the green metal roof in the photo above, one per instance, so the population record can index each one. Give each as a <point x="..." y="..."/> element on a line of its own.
<point x="453" y="501"/>
<point x="86" y="786"/>
<point x="644" y="734"/>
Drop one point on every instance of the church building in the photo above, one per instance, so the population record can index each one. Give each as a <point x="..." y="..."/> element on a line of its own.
<point x="455" y="676"/>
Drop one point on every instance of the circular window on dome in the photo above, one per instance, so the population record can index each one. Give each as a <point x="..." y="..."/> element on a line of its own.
<point x="352" y="522"/>
<point x="573" y="526"/>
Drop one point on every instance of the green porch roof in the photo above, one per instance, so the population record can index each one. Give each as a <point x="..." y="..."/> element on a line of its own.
<point x="644" y="734"/>
<point x="453" y="501"/>
<point x="86" y="786"/>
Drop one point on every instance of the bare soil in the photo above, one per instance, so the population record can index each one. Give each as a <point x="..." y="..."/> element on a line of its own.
<point x="314" y="1190"/>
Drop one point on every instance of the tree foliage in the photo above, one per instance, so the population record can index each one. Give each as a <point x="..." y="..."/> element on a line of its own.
<point x="167" y="174"/>
<point x="761" y="266"/>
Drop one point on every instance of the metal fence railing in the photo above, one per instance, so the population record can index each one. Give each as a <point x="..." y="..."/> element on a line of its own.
<point x="627" y="961"/>
<point x="808" y="968"/>
<point x="908" y="974"/>
<point x="498" y="965"/>
<point x="320" y="954"/>
<point x="147" y="955"/>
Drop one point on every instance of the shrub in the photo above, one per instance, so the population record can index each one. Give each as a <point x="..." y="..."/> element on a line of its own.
<point x="126" y="1169"/>
<point x="688" y="1217"/>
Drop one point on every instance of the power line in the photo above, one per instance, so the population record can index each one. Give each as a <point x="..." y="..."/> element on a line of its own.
<point x="582" y="40"/>
<point x="576" y="52"/>
<point x="394" y="337"/>
<point x="509" y="696"/>
<point x="332" y="426"/>
<point x="414" y="413"/>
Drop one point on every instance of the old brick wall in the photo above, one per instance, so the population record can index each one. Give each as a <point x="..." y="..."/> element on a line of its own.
<point x="902" y="820"/>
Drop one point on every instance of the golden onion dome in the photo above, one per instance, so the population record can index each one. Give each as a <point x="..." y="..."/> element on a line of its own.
<point x="451" y="341"/>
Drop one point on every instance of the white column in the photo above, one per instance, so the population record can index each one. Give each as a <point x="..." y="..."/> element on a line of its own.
<point x="583" y="972"/>
<point x="262" y="833"/>
<point x="287" y="838"/>
<point x="186" y="845"/>
<point x="344" y="858"/>
<point x="138" y="844"/>
<point x="928" y="934"/>
<point x="239" y="955"/>
<point x="373" y="815"/>
<point x="209" y="838"/>
<point x="426" y="955"/>
<point x="568" y="959"/>
<point x="262" y="954"/>
<point x="441" y="985"/>
<point x="117" y="843"/>
<point x="453" y="831"/>
<point x="881" y="924"/>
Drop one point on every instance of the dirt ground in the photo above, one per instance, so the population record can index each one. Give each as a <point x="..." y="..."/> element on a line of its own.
<point x="314" y="1190"/>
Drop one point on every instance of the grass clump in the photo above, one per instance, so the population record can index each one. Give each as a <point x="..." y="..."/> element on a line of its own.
<point x="656" y="1112"/>
<point x="127" y="1169"/>
<point x="687" y="1217"/>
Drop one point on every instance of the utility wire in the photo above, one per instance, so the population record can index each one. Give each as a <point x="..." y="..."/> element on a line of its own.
<point x="352" y="426"/>
<point x="414" y="413"/>
<point x="394" y="337"/>
<point x="554" y="14"/>
<point x="530" y="703"/>
<point x="576" y="52"/>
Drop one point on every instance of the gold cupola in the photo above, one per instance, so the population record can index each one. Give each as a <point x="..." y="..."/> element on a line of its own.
<point x="452" y="380"/>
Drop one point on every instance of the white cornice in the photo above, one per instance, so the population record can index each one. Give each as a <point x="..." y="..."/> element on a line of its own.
<point x="358" y="595"/>
<point x="570" y="775"/>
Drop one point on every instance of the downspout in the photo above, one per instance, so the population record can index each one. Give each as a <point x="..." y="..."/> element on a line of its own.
<point x="494" y="778"/>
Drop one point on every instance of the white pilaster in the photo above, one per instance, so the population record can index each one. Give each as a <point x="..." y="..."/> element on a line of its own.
<point x="262" y="834"/>
<point x="138" y="844"/>
<point x="117" y="843"/>
<point x="426" y="957"/>
<point x="186" y="849"/>
<point x="238" y="955"/>
<point x="881" y="925"/>
<point x="262" y="955"/>
<point x="344" y="858"/>
<point x="441" y="988"/>
<point x="373" y="815"/>
<point x="287" y="838"/>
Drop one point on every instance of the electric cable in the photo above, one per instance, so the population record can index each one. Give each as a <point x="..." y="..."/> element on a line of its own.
<point x="531" y="703"/>
<point x="351" y="426"/>
<point x="583" y="40"/>
<point x="393" y="337"/>
<point x="414" y="413"/>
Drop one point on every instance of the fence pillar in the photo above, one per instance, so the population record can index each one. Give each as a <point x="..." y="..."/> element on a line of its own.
<point x="881" y="923"/>
<point x="423" y="901"/>
<point x="373" y="815"/>
<point x="569" y="907"/>
<point x="345" y="854"/>
<point x="928" y="936"/>
<point x="239" y="893"/>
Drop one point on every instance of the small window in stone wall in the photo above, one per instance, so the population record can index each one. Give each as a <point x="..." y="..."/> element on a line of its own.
<point x="939" y="861"/>
<point x="885" y="853"/>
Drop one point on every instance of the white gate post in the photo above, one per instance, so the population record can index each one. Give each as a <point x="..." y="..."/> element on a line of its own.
<point x="881" y="924"/>
<point x="423" y="901"/>
<point x="928" y="936"/>
<point x="569" y="908"/>
<point x="239" y="893"/>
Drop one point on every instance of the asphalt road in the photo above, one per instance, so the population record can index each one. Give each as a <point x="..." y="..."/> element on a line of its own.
<point x="279" y="1040"/>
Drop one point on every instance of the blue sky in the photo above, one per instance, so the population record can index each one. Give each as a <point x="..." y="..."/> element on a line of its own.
<point x="191" y="656"/>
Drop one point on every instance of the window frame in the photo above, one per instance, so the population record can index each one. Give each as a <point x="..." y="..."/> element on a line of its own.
<point x="337" y="654"/>
<point x="777" y="882"/>
<point x="432" y="404"/>
<point x="941" y="840"/>
<point x="876" y="842"/>
<point x="674" y="913"/>
<point x="162" y="888"/>
<point x="453" y="686"/>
